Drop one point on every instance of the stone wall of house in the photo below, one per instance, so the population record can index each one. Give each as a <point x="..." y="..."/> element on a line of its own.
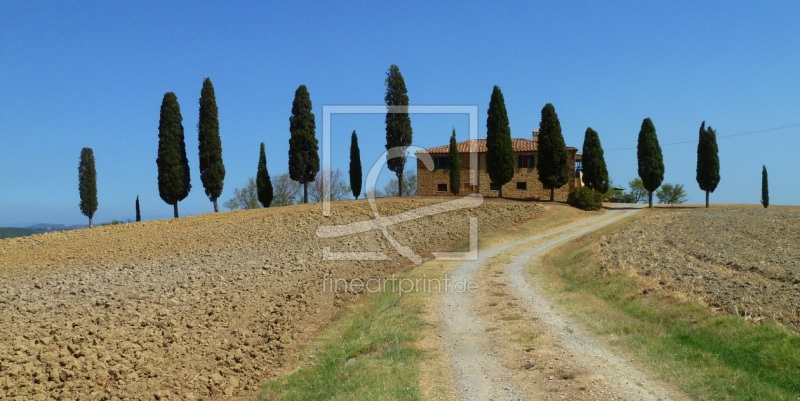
<point x="428" y="182"/>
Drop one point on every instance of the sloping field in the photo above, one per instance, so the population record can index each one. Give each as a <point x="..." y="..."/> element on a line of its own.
<point x="199" y="307"/>
<point x="743" y="261"/>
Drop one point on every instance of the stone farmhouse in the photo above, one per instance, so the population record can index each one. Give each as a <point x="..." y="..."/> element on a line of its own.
<point x="524" y="185"/>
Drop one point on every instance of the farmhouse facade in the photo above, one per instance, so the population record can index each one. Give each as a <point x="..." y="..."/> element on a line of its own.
<point x="524" y="185"/>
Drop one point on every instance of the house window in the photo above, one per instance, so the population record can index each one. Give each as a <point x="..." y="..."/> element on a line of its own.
<point x="494" y="186"/>
<point x="525" y="161"/>
<point x="578" y="165"/>
<point x="441" y="162"/>
<point x="441" y="187"/>
<point x="522" y="185"/>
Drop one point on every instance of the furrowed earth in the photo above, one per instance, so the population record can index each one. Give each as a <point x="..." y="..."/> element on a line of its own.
<point x="742" y="261"/>
<point x="195" y="308"/>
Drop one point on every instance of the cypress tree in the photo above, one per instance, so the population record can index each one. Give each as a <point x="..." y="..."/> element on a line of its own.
<point x="212" y="170"/>
<point x="138" y="211"/>
<point x="764" y="187"/>
<point x="455" y="165"/>
<point x="263" y="182"/>
<point x="553" y="165"/>
<point x="398" y="123"/>
<point x="651" y="162"/>
<point x="707" y="160"/>
<point x="303" y="147"/>
<point x="173" y="167"/>
<point x="595" y="172"/>
<point x="87" y="184"/>
<point x="355" y="166"/>
<point x="499" y="150"/>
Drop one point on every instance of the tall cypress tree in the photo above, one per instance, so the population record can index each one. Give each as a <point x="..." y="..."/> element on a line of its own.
<point x="87" y="184"/>
<point x="595" y="172"/>
<point x="138" y="211"/>
<point x="553" y="165"/>
<point x="355" y="166"/>
<point x="499" y="150"/>
<point x="707" y="160"/>
<point x="263" y="182"/>
<point x="455" y="165"/>
<point x="174" y="181"/>
<point x="398" y="123"/>
<point x="303" y="147"/>
<point x="764" y="187"/>
<point x="212" y="170"/>
<point x="651" y="162"/>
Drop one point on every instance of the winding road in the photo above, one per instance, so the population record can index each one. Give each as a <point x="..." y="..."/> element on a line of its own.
<point x="479" y="369"/>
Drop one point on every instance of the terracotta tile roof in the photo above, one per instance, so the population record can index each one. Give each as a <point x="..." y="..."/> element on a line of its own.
<point x="518" y="144"/>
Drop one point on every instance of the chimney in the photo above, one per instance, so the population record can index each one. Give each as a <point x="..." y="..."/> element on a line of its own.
<point x="536" y="135"/>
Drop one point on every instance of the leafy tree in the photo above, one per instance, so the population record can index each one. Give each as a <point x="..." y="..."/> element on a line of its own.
<point x="707" y="160"/>
<point x="263" y="183"/>
<point x="87" y="184"/>
<point x="764" y="187"/>
<point x="455" y="165"/>
<point x="338" y="187"/>
<point x="303" y="148"/>
<point x="409" y="186"/>
<point x="595" y="172"/>
<point x="651" y="162"/>
<point x="286" y="191"/>
<point x="553" y="165"/>
<point x="212" y="170"/>
<point x="244" y="198"/>
<point x="355" y="166"/>
<point x="173" y="166"/>
<point x="499" y="151"/>
<point x="398" y="124"/>
<point x="138" y="211"/>
<point x="637" y="193"/>
<point x="671" y="194"/>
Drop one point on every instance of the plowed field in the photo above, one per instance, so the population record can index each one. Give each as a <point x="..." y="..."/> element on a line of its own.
<point x="201" y="307"/>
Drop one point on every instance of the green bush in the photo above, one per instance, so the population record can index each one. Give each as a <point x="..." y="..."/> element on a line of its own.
<point x="585" y="199"/>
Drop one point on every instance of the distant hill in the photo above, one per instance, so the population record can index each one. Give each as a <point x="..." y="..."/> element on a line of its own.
<point x="11" y="232"/>
<point x="46" y="228"/>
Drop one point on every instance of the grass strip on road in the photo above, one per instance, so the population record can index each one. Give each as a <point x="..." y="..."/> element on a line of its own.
<point x="707" y="356"/>
<point x="367" y="354"/>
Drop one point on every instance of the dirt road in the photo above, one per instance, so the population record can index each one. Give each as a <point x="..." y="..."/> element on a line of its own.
<point x="480" y="355"/>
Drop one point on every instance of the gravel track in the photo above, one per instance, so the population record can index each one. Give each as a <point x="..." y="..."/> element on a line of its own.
<point x="585" y="351"/>
<point x="478" y="367"/>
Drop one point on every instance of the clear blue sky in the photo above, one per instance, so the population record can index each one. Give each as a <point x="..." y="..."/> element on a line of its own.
<point x="76" y="74"/>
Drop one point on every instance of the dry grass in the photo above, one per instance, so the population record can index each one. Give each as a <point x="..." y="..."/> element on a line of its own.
<point x="680" y="341"/>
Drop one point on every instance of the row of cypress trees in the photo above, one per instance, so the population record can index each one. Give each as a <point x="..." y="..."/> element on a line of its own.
<point x="651" y="161"/>
<point x="304" y="164"/>
<point x="174" y="180"/>
<point x="553" y="165"/>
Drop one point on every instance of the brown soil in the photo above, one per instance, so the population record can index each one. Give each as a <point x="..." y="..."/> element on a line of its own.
<point x="204" y="307"/>
<point x="738" y="260"/>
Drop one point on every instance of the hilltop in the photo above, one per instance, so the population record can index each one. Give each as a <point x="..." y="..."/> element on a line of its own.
<point x="200" y="306"/>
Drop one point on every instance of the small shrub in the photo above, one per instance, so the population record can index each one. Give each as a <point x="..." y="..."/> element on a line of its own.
<point x="585" y="199"/>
